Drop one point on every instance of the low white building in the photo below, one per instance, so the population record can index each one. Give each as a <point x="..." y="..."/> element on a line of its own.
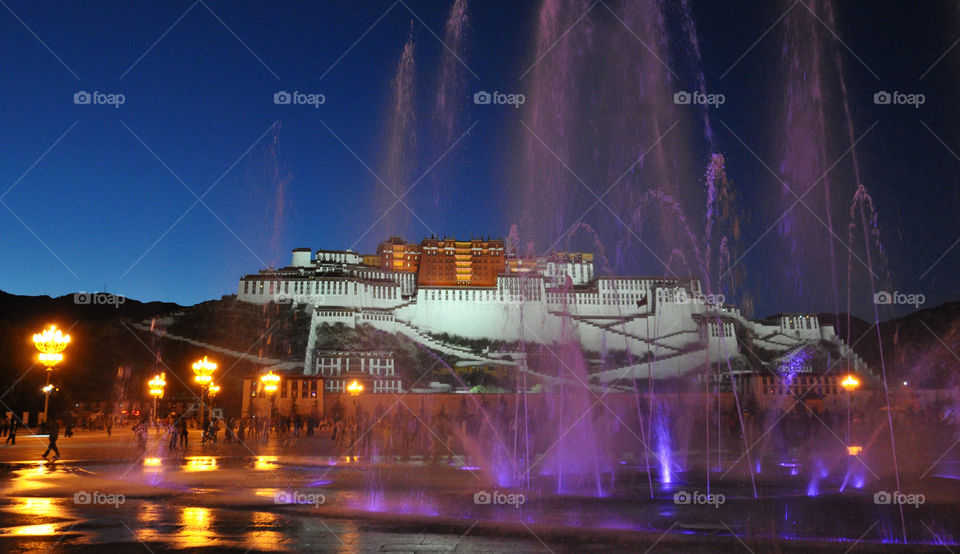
<point x="375" y="370"/>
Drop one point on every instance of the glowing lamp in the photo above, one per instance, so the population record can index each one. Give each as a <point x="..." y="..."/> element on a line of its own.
<point x="270" y="382"/>
<point x="157" y="384"/>
<point x="203" y="369"/>
<point x="212" y="390"/>
<point x="47" y="389"/>
<point x="51" y="342"/>
<point x="854" y="450"/>
<point x="355" y="388"/>
<point x="850" y="382"/>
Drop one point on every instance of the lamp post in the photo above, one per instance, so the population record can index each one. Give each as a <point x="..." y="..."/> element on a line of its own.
<point x="156" y="391"/>
<point x="203" y="371"/>
<point x="355" y="388"/>
<point x="212" y="391"/>
<point x="270" y="382"/>
<point x="51" y="342"/>
<point x="849" y="384"/>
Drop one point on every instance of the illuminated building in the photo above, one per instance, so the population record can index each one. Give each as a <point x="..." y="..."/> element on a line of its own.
<point x="397" y="255"/>
<point x="451" y="262"/>
<point x="476" y="290"/>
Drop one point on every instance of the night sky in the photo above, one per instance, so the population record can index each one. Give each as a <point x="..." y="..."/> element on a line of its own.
<point x="101" y="197"/>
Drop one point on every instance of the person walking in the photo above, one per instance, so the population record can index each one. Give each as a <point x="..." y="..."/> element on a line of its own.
<point x="54" y="430"/>
<point x="182" y="432"/>
<point x="141" y="429"/>
<point x="12" y="436"/>
<point x="173" y="430"/>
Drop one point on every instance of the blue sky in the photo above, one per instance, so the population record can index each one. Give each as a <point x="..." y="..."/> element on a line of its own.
<point x="96" y="196"/>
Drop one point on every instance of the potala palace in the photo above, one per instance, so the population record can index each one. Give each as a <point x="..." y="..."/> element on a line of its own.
<point x="475" y="289"/>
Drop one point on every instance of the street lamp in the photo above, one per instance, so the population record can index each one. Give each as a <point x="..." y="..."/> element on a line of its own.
<point x="849" y="384"/>
<point x="203" y="371"/>
<point x="355" y="388"/>
<point x="51" y="342"/>
<point x="156" y="390"/>
<point x="270" y="382"/>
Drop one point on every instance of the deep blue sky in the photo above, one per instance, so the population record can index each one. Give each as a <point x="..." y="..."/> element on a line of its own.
<point x="97" y="210"/>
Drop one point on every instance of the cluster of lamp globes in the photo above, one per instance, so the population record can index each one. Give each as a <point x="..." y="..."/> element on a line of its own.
<point x="51" y="343"/>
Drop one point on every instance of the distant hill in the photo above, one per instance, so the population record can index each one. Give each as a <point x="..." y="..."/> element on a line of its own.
<point x="104" y="339"/>
<point x="922" y="347"/>
<point x="36" y="310"/>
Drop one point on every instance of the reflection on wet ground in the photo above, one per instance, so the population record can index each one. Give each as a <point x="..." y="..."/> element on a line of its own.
<point x="277" y="503"/>
<point x="196" y="502"/>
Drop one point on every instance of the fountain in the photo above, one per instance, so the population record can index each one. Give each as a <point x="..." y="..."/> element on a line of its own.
<point x="689" y="459"/>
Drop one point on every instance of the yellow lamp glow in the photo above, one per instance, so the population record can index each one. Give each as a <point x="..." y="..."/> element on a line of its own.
<point x="270" y="382"/>
<point x="157" y="384"/>
<point x="212" y="390"/>
<point x="850" y="382"/>
<point x="203" y="369"/>
<point x="51" y="342"/>
<point x="854" y="450"/>
<point x="355" y="388"/>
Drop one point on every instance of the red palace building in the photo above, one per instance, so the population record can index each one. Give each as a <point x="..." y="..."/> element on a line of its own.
<point x="446" y="262"/>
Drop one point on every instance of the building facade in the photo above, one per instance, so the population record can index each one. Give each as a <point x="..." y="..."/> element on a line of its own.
<point x="475" y="290"/>
<point x="375" y="370"/>
<point x="297" y="394"/>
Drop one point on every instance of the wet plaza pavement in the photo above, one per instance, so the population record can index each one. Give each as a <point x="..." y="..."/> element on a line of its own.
<point x="281" y="496"/>
<point x="102" y="494"/>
